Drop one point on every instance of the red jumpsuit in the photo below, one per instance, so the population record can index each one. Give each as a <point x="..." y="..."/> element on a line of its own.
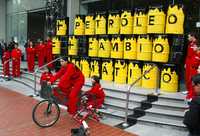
<point x="30" y="58"/>
<point x="96" y="96"/>
<point x="40" y="50"/>
<point x="49" y="55"/>
<point x="6" y="66"/>
<point x="190" y="53"/>
<point x="16" y="59"/>
<point x="194" y="64"/>
<point x="71" y="82"/>
<point x="46" y="76"/>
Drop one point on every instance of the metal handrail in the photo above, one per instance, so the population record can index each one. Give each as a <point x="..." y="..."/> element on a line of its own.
<point x="125" y="124"/>
<point x="37" y="70"/>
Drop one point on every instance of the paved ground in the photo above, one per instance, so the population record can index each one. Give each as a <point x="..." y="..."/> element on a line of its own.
<point x="16" y="119"/>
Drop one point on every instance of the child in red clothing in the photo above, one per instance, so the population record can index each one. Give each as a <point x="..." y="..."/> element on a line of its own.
<point x="46" y="75"/>
<point x="96" y="94"/>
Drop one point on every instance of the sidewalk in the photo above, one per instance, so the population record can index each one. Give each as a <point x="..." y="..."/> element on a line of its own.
<point x="16" y="119"/>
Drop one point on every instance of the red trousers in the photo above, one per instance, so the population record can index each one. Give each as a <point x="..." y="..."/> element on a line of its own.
<point x="16" y="67"/>
<point x="72" y="95"/>
<point x="31" y="63"/>
<point x="6" y="68"/>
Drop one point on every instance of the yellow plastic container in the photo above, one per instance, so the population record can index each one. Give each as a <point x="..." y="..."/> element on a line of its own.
<point x="169" y="79"/>
<point x="117" y="50"/>
<point x="93" y="46"/>
<point x="113" y="23"/>
<point x="130" y="48"/>
<point x="144" y="48"/>
<point x="151" y="79"/>
<point x="89" y="25"/>
<point x="104" y="48"/>
<point x="100" y="23"/>
<point x="61" y="27"/>
<point x="94" y="68"/>
<point x="120" y="72"/>
<point x="56" y="45"/>
<point x="107" y="70"/>
<point x="140" y="22"/>
<point x="72" y="46"/>
<point x="126" y="26"/>
<point x="79" y="26"/>
<point x="156" y="21"/>
<point x="175" y="20"/>
<point x="161" y="49"/>
<point x="85" y="68"/>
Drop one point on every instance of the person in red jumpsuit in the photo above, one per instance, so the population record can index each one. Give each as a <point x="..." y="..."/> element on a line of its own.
<point x="40" y="50"/>
<point x="5" y="62"/>
<point x="49" y="56"/>
<point x="30" y="57"/>
<point x="16" y="59"/>
<point x="96" y="94"/>
<point x="191" y="49"/>
<point x="71" y="82"/>
<point x="194" y="64"/>
<point x="46" y="76"/>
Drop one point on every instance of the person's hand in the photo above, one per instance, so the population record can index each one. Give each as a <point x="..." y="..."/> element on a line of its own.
<point x="198" y="70"/>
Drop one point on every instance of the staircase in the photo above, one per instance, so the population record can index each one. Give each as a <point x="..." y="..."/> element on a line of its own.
<point x="166" y="110"/>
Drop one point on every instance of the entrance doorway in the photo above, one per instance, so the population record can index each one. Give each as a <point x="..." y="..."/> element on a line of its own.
<point x="36" y="26"/>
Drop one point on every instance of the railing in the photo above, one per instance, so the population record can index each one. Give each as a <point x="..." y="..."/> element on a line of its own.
<point x="37" y="70"/>
<point x="125" y="124"/>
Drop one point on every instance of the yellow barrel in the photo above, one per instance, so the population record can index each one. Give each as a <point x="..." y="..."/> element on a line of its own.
<point x="120" y="72"/>
<point x="134" y="72"/>
<point x="79" y="26"/>
<point x="130" y="47"/>
<point x="85" y="67"/>
<point x="175" y="20"/>
<point x="144" y="48"/>
<point x="56" y="45"/>
<point x="89" y="25"/>
<point x="169" y="79"/>
<point x="113" y="23"/>
<point x="72" y="45"/>
<point x="104" y="46"/>
<point x="61" y="27"/>
<point x="156" y="20"/>
<point x="140" y="22"/>
<point x="160" y="51"/>
<point x="100" y="23"/>
<point x="93" y="46"/>
<point x="126" y="26"/>
<point x="150" y="80"/>
<point x="94" y="68"/>
<point x="117" y="50"/>
<point x="107" y="70"/>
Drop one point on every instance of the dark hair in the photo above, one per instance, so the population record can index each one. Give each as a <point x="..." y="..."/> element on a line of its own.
<point x="193" y="34"/>
<point x="96" y="78"/>
<point x="64" y="58"/>
<point x="196" y="79"/>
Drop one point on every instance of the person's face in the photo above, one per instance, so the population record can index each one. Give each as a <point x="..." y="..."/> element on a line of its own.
<point x="63" y="62"/>
<point x="196" y="88"/>
<point x="191" y="38"/>
<point x="16" y="46"/>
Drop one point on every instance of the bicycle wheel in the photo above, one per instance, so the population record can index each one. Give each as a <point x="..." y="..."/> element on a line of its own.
<point x="46" y="113"/>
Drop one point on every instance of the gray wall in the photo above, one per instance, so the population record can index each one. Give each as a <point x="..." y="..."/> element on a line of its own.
<point x="2" y="19"/>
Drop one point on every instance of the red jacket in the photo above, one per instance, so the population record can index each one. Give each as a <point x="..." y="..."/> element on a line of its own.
<point x="69" y="76"/>
<point x="96" y="95"/>
<point x="16" y="53"/>
<point x="6" y="56"/>
<point x="190" y="51"/>
<point x="30" y="52"/>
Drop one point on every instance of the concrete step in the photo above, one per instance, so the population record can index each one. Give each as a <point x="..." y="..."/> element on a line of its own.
<point x="142" y="129"/>
<point x="148" y="119"/>
<point x="164" y="113"/>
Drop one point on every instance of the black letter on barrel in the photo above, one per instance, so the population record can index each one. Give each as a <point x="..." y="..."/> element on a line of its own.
<point x="90" y="48"/>
<point x="124" y="22"/>
<point x="97" y="22"/>
<point x="128" y="46"/>
<point x="101" y="46"/>
<point x="161" y="48"/>
<point x="111" y="22"/>
<point x="169" y="77"/>
<point x="151" y="20"/>
<point x="116" y="69"/>
<point x="115" y="47"/>
<point x="145" y="76"/>
<point x="77" y="24"/>
<point x="87" y="24"/>
<point x="92" y="67"/>
<point x="172" y="21"/>
<point x="137" y="22"/>
<point x="105" y="70"/>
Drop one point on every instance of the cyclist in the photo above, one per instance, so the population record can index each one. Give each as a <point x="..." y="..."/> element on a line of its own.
<point x="71" y="82"/>
<point x="96" y="94"/>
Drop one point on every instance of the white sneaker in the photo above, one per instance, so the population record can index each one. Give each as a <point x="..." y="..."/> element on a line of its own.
<point x="184" y="92"/>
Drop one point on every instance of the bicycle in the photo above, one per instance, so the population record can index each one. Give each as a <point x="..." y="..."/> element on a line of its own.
<point x="47" y="112"/>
